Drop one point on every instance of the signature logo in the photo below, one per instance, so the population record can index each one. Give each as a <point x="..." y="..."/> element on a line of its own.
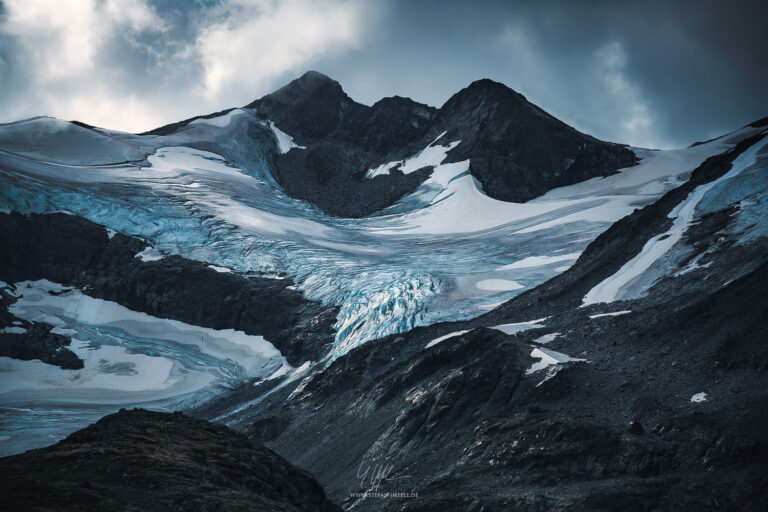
<point x="371" y="476"/>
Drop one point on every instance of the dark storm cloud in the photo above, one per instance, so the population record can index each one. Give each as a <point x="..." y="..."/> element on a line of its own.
<point x="647" y="73"/>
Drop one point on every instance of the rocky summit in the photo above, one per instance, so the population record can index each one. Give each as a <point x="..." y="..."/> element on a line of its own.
<point x="142" y="460"/>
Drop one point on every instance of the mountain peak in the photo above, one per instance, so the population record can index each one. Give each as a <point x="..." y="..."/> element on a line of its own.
<point x="310" y="86"/>
<point x="316" y="75"/>
<point x="309" y="106"/>
<point x="488" y="89"/>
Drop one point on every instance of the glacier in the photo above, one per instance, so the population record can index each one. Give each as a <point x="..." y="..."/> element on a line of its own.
<point x="442" y="253"/>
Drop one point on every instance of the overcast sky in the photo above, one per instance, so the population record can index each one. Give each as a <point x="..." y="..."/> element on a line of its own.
<point x="647" y="73"/>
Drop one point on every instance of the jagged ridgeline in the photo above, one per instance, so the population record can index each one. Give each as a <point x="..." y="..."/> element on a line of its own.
<point x="517" y="150"/>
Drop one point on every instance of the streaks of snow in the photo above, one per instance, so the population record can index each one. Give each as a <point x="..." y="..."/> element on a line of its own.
<point x="613" y="313"/>
<point x="462" y="207"/>
<point x="431" y="156"/>
<point x="520" y="326"/>
<point x="253" y="354"/>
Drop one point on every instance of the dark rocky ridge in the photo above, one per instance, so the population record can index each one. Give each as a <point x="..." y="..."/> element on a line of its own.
<point x="146" y="461"/>
<point x="516" y="150"/>
<point x="463" y="426"/>
<point x="75" y="252"/>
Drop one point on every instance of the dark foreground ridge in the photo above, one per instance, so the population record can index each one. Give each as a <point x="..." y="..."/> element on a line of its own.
<point x="146" y="461"/>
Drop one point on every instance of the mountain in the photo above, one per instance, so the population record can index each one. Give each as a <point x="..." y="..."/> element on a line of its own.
<point x="511" y="314"/>
<point x="142" y="460"/>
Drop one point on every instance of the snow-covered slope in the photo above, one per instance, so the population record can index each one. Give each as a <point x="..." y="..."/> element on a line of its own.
<point x="743" y="187"/>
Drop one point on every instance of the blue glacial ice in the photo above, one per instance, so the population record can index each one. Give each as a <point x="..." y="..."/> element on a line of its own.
<point x="207" y="193"/>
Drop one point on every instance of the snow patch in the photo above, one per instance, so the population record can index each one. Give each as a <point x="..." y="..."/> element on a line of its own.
<point x="547" y="358"/>
<point x="13" y="330"/>
<point x="443" y="338"/>
<point x="223" y="270"/>
<point x="540" y="261"/>
<point x="547" y="338"/>
<point x="221" y="121"/>
<point x="150" y="254"/>
<point x="285" y="142"/>
<point x="520" y="326"/>
<point x="693" y="265"/>
<point x="285" y="369"/>
<point x="699" y="397"/>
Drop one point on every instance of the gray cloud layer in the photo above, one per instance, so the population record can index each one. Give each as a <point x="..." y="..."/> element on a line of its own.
<point x="652" y="73"/>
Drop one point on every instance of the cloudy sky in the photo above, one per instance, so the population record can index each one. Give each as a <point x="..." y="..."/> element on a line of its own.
<point x="648" y="73"/>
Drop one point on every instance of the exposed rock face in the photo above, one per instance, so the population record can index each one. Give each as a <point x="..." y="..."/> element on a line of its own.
<point x="343" y="140"/>
<point x="75" y="252"/>
<point x="517" y="151"/>
<point x="31" y="340"/>
<point x="141" y="460"/>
